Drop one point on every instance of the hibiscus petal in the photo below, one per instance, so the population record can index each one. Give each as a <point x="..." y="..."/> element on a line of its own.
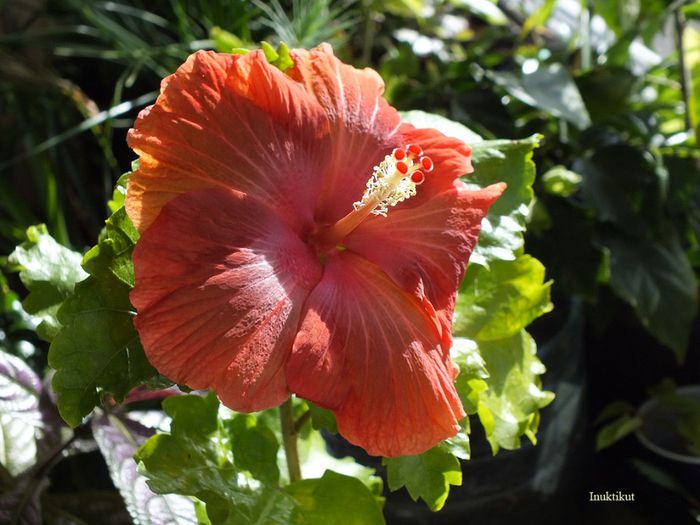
<point x="367" y="350"/>
<point x="233" y="121"/>
<point x="220" y="283"/>
<point x="364" y="125"/>
<point x="425" y="249"/>
<point x="451" y="156"/>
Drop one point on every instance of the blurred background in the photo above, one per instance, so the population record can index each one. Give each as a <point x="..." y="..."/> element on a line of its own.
<point x="613" y="88"/>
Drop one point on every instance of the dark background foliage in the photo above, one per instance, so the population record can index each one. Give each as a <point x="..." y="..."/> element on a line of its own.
<point x="616" y="220"/>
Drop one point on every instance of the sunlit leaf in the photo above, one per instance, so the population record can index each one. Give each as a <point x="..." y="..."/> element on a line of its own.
<point x="427" y="476"/>
<point x="50" y="272"/>
<point x="254" y="448"/>
<point x="498" y="302"/>
<point x="98" y="350"/>
<point x="509" y="400"/>
<point x="560" y="181"/>
<point x="502" y="229"/>
<point x="197" y="458"/>
<point x="225" y="41"/>
<point x="422" y="119"/>
<point x="539" y="17"/>
<point x="691" y="44"/>
<point x="334" y="498"/>
<point x="485" y="9"/>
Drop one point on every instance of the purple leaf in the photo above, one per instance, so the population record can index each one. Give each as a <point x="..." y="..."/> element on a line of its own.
<point x="20" y="418"/>
<point x="118" y="439"/>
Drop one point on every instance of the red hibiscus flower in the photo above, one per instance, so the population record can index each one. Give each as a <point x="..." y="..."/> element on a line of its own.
<point x="293" y="242"/>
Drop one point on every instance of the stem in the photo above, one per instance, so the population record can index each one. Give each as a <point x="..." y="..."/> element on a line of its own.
<point x="585" y="37"/>
<point x="368" y="38"/>
<point x="300" y="422"/>
<point x="289" y="437"/>
<point x="35" y="476"/>
<point x="685" y="77"/>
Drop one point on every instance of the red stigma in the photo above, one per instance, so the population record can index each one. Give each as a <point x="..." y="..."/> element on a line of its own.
<point x="402" y="167"/>
<point x="399" y="154"/>
<point x="427" y="164"/>
<point x="418" y="178"/>
<point x="414" y="150"/>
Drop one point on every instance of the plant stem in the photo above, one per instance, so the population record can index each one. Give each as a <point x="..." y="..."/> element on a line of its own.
<point x="301" y="420"/>
<point x="685" y="77"/>
<point x="585" y="28"/>
<point x="368" y="38"/>
<point x="289" y="437"/>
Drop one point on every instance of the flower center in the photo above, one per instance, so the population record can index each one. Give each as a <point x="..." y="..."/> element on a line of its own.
<point x="393" y="180"/>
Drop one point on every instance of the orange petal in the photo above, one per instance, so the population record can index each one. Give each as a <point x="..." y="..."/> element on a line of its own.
<point x="367" y="350"/>
<point x="229" y="121"/>
<point x="364" y="125"/>
<point x="220" y="282"/>
<point x="425" y="248"/>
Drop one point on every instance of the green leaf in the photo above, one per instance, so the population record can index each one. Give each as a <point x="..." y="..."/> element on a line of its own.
<point x="335" y="498"/>
<point x="691" y="11"/>
<point x="502" y="229"/>
<point x="224" y="41"/>
<point x="616" y="430"/>
<point x="119" y="193"/>
<point x="323" y="419"/>
<point x="560" y="181"/>
<point x="538" y="18"/>
<point x="485" y="9"/>
<point x="254" y="448"/>
<point x="614" y="410"/>
<point x="97" y="350"/>
<point x="111" y="258"/>
<point x="194" y="459"/>
<point x="657" y="280"/>
<point x="689" y="430"/>
<point x="459" y="444"/>
<point x="50" y="272"/>
<point x="573" y="260"/>
<point x="622" y="186"/>
<point x="279" y="57"/>
<point x="472" y="379"/>
<point x="422" y="119"/>
<point x="498" y="302"/>
<point x="427" y="476"/>
<point x="404" y="8"/>
<point x="606" y="91"/>
<point x="691" y="44"/>
<point x="316" y="460"/>
<point x="548" y="87"/>
<point x="199" y="458"/>
<point x="509" y="407"/>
